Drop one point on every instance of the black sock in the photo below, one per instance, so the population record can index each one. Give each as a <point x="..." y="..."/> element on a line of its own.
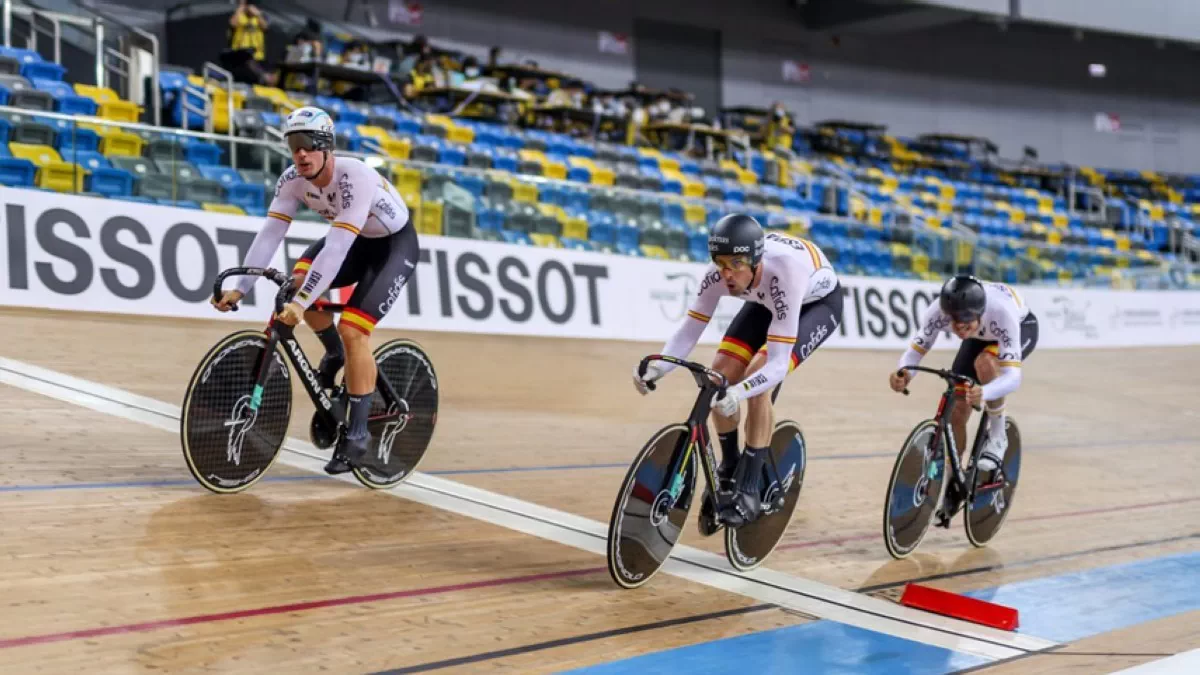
<point x="729" y="446"/>
<point x="753" y="462"/>
<point x="332" y="342"/>
<point x="360" y="410"/>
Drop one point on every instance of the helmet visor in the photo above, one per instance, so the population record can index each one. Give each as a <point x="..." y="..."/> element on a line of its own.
<point x="306" y="140"/>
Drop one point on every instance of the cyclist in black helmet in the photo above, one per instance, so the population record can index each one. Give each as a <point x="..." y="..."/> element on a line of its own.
<point x="793" y="303"/>
<point x="998" y="333"/>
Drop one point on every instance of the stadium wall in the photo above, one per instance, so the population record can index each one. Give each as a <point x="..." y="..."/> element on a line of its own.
<point x="84" y="254"/>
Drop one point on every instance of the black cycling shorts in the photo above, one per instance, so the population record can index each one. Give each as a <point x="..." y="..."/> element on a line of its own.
<point x="747" y="333"/>
<point x="971" y="348"/>
<point x="377" y="268"/>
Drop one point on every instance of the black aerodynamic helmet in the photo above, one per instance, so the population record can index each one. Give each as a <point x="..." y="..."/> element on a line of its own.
<point x="737" y="234"/>
<point x="963" y="298"/>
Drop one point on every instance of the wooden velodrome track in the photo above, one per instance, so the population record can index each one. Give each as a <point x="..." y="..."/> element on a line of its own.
<point x="113" y="560"/>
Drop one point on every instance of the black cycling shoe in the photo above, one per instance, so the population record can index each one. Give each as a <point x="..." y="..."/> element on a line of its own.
<point x="745" y="504"/>
<point x="328" y="369"/>
<point x="707" y="523"/>
<point x="350" y="453"/>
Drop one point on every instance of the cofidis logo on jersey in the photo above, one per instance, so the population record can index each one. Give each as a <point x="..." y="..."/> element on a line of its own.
<point x="778" y="298"/>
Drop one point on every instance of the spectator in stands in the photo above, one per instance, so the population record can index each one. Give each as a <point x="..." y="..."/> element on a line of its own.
<point x="246" y="56"/>
<point x="412" y="55"/>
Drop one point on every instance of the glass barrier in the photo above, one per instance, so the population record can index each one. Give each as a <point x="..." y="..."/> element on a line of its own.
<point x="237" y="175"/>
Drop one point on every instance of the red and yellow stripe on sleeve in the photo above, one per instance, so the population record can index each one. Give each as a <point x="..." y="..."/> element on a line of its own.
<point x="699" y="317"/>
<point x="275" y="214"/>
<point x="347" y="226"/>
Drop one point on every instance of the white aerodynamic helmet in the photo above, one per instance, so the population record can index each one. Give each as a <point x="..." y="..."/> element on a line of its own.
<point x="309" y="128"/>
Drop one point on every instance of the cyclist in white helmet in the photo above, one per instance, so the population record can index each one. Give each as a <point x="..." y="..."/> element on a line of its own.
<point x="370" y="246"/>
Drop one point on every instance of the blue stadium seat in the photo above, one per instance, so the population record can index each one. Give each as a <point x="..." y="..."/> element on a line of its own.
<point x="66" y="101"/>
<point x="16" y="172"/>
<point x="103" y="178"/>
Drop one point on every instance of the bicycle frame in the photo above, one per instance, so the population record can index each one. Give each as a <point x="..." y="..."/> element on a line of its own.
<point x="333" y="409"/>
<point x="698" y="435"/>
<point x="945" y="435"/>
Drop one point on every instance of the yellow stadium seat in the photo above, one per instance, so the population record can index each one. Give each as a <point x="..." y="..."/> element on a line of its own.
<point x="109" y="105"/>
<point x="407" y="180"/>
<point x="545" y="240"/>
<point x="1017" y="216"/>
<point x="457" y="134"/>
<point x="899" y="249"/>
<point x="524" y="192"/>
<point x="575" y="228"/>
<point x="694" y="214"/>
<point x="693" y="188"/>
<point x="52" y="173"/>
<point x="1054" y="237"/>
<point x="397" y="148"/>
<point x="377" y="133"/>
<point x="603" y="176"/>
<point x="1123" y="244"/>
<point x="920" y="263"/>
<point x="1059" y="220"/>
<point x="554" y="170"/>
<point x="223" y="208"/>
<point x="798" y="227"/>
<point x="430" y="220"/>
<point x="655" y="252"/>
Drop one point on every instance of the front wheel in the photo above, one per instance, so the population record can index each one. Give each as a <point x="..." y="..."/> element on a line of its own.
<point x="652" y="507"/>
<point x="914" y="490"/>
<point x="231" y="432"/>
<point x="402" y="428"/>
<point x="988" y="505"/>
<point x="748" y="546"/>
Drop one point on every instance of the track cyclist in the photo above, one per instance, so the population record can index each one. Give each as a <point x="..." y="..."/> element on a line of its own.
<point x="998" y="332"/>
<point x="793" y="303"/>
<point x="370" y="246"/>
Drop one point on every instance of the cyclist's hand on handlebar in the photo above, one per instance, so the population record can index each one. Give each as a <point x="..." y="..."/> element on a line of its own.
<point x="899" y="380"/>
<point x="975" y="395"/>
<point x="642" y="382"/>
<point x="292" y="313"/>
<point x="227" y="301"/>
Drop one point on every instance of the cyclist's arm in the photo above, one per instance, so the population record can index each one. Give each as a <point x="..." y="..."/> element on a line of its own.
<point x="356" y="206"/>
<point x="781" y="337"/>
<point x="699" y="314"/>
<point x="1008" y="341"/>
<point x="933" y="322"/>
<point x="279" y="219"/>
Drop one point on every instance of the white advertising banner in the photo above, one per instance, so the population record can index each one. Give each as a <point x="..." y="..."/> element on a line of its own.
<point x="80" y="253"/>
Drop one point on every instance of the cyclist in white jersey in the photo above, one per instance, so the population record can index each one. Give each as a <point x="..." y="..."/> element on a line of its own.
<point x="998" y="333"/>
<point x="793" y="304"/>
<point x="370" y="246"/>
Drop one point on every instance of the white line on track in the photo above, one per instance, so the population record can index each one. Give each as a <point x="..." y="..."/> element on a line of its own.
<point x="763" y="585"/>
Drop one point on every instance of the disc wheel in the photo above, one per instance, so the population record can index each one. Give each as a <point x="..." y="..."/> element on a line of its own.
<point x="651" y="508"/>
<point x="402" y="429"/>
<point x="748" y="546"/>
<point x="229" y="438"/>
<point x="914" y="490"/>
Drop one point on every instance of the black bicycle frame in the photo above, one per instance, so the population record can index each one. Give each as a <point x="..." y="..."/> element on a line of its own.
<point x="710" y="382"/>
<point x="333" y="409"/>
<point x="945" y="409"/>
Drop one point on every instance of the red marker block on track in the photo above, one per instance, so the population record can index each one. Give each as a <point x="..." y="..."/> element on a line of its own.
<point x="959" y="607"/>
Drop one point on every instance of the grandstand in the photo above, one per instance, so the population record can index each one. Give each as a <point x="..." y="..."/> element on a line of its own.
<point x="878" y="204"/>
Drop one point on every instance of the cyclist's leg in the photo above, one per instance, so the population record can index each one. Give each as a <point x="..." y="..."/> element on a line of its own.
<point x="746" y="333"/>
<point x="818" y="321"/>
<point x="321" y="321"/>
<point x="964" y="364"/>
<point x="389" y="263"/>
<point x="987" y="365"/>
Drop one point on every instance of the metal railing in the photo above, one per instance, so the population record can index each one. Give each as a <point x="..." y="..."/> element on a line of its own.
<point x="96" y="28"/>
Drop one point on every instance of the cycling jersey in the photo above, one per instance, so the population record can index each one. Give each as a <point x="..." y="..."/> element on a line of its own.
<point x="794" y="273"/>
<point x="1000" y="324"/>
<point x="358" y="201"/>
